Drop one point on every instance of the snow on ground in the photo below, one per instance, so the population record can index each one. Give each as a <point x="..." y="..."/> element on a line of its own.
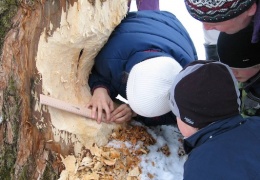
<point x="160" y="163"/>
<point x="134" y="152"/>
<point x="160" y="166"/>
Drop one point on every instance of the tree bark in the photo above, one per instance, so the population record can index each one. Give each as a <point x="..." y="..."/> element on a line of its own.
<point x="50" y="50"/>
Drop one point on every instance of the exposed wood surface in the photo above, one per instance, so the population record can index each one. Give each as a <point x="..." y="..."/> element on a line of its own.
<point x="50" y="49"/>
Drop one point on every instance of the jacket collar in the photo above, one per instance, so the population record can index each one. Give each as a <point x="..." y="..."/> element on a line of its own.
<point x="211" y="131"/>
<point x="251" y="81"/>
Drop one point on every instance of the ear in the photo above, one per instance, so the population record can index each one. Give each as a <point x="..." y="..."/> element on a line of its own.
<point x="185" y="129"/>
<point x="252" y="10"/>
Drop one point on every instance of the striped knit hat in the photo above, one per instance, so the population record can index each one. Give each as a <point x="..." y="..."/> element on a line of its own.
<point x="217" y="10"/>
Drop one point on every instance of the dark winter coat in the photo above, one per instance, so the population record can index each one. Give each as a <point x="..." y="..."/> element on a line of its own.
<point x="227" y="149"/>
<point x="141" y="35"/>
<point x="251" y="99"/>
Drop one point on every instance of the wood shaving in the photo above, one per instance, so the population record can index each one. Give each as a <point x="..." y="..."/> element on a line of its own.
<point x="109" y="163"/>
<point x="181" y="151"/>
<point x="165" y="150"/>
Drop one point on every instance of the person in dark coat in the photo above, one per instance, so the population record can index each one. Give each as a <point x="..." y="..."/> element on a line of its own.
<point x="154" y="36"/>
<point x="237" y="51"/>
<point x="220" y="143"/>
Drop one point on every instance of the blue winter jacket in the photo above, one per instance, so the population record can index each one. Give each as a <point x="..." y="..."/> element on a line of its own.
<point x="228" y="150"/>
<point x="140" y="35"/>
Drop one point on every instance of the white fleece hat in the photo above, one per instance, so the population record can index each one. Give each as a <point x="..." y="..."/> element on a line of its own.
<point x="148" y="85"/>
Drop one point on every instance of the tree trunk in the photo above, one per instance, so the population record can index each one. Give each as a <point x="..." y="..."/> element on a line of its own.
<point x="50" y="50"/>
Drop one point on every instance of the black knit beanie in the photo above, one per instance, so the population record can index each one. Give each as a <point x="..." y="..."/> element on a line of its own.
<point x="237" y="51"/>
<point x="204" y="92"/>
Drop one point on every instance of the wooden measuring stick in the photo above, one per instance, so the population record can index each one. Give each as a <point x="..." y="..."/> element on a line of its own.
<point x="76" y="109"/>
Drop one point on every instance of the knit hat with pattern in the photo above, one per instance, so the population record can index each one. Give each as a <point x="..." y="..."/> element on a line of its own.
<point x="217" y="10"/>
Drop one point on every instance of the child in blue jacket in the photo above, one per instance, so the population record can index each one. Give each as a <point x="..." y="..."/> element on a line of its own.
<point x="157" y="37"/>
<point x="220" y="143"/>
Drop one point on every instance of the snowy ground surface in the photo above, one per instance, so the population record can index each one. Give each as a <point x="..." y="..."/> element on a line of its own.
<point x="156" y="165"/>
<point x="164" y="168"/>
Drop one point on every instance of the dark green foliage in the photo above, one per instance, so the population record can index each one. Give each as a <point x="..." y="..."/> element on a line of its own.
<point x="8" y="152"/>
<point x="8" y="9"/>
<point x="49" y="173"/>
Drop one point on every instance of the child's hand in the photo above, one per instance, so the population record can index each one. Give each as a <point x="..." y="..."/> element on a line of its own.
<point x="122" y="114"/>
<point x="99" y="103"/>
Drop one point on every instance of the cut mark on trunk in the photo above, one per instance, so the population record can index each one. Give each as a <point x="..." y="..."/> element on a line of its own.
<point x="80" y="54"/>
